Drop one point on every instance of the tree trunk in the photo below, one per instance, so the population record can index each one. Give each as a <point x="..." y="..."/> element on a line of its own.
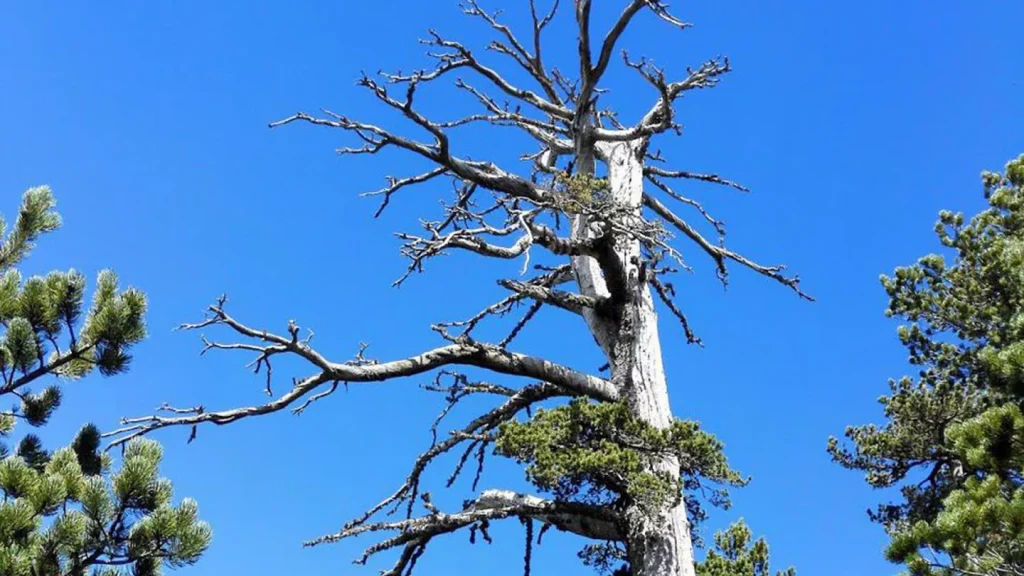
<point x="659" y="543"/>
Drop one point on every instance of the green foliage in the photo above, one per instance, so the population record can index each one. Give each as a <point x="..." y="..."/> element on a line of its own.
<point x="21" y="345"/>
<point x="735" y="555"/>
<point x="580" y="191"/>
<point x="61" y="520"/>
<point x="600" y="452"/>
<point x="981" y="523"/>
<point x="953" y="440"/>
<point x="31" y="450"/>
<point x="35" y="217"/>
<point x="38" y="312"/>
<point x="37" y="408"/>
<point x="607" y="558"/>
<point x="86" y="448"/>
<point x="66" y="513"/>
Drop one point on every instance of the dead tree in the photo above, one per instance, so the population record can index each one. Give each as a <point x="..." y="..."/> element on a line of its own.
<point x="597" y="198"/>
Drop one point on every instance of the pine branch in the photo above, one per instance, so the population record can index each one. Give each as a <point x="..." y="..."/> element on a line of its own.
<point x="35" y="217"/>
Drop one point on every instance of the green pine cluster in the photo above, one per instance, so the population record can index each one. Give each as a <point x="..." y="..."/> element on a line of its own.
<point x="579" y="191"/>
<point x="735" y="555"/>
<point x="66" y="513"/>
<point x="67" y="519"/>
<point x="954" y="440"/>
<point x="45" y="328"/>
<point x="602" y="453"/>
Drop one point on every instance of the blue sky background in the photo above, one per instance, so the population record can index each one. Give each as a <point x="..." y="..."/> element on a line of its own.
<point x="853" y="123"/>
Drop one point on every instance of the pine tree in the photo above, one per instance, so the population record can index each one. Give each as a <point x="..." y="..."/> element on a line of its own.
<point x="735" y="555"/>
<point x="954" y="439"/>
<point x="595" y="211"/>
<point x="64" y="513"/>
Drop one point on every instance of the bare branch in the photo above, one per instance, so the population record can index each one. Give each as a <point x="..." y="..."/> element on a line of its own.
<point x="583" y="519"/>
<point x="475" y="239"/>
<point x="665" y="292"/>
<point x="612" y="38"/>
<point x="517" y="401"/>
<point x="395" y="184"/>
<point x="555" y="277"/>
<point x="660" y="117"/>
<point x="569" y="87"/>
<point x="463" y="57"/>
<point x="591" y="75"/>
<point x="419" y="249"/>
<point x="406" y="107"/>
<point x="660" y="10"/>
<point x="546" y="133"/>
<point x="712" y="178"/>
<point x="299" y="410"/>
<point x="514" y="49"/>
<point x="462" y="351"/>
<point x="558" y="298"/>
<point x="136" y="427"/>
<point x="173" y="410"/>
<point x="719" y="226"/>
<point x="538" y="28"/>
<point x="483" y="174"/>
<point x="291" y="343"/>
<point x="720" y="254"/>
<point x="530" y="313"/>
<point x="407" y="560"/>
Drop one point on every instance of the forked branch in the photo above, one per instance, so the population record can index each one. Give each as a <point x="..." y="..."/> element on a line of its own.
<point x="588" y="521"/>
<point x="461" y="351"/>
<point x="721" y="254"/>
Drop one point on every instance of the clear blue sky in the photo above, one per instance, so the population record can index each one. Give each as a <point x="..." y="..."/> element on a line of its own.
<point x="854" y="123"/>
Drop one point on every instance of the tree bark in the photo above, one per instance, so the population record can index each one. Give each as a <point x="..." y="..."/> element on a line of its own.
<point x="658" y="542"/>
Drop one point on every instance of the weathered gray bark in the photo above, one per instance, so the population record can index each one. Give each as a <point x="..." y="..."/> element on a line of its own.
<point x="659" y="543"/>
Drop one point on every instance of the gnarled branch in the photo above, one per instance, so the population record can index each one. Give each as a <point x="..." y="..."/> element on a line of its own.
<point x="720" y="254"/>
<point x="586" y="520"/>
<point x="462" y="351"/>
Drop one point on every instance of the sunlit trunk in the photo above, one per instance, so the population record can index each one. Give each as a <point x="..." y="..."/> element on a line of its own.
<point x="659" y="543"/>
